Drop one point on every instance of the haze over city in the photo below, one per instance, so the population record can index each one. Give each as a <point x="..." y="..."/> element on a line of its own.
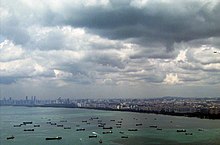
<point x="109" y="48"/>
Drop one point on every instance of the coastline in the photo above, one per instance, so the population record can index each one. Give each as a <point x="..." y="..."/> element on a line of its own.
<point x="195" y="114"/>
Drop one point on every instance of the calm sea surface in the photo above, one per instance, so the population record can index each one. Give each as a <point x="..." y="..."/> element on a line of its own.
<point x="69" y="117"/>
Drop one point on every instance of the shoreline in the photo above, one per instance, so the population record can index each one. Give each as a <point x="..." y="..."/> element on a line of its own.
<point x="195" y="114"/>
<point x="190" y="115"/>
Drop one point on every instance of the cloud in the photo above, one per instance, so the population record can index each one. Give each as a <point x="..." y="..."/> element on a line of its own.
<point x="171" y="79"/>
<point x="163" y="22"/>
<point x="9" y="51"/>
<point x="129" y="44"/>
<point x="145" y="22"/>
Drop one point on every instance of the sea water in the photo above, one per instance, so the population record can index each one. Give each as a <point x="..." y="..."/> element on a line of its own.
<point x="73" y="117"/>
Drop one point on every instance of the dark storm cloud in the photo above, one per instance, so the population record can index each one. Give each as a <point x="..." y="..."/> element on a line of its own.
<point x="212" y="41"/>
<point x="147" y="24"/>
<point x="155" y="22"/>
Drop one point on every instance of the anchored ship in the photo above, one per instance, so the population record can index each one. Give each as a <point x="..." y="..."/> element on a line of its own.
<point x="54" y="138"/>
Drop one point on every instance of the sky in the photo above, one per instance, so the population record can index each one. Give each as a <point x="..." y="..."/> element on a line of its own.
<point x="109" y="48"/>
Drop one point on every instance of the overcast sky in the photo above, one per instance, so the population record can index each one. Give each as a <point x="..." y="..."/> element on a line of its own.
<point x="110" y="48"/>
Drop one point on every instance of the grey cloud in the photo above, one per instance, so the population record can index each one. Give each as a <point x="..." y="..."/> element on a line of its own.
<point x="7" y="80"/>
<point x="81" y="73"/>
<point x="79" y="79"/>
<point x="212" y="41"/>
<point x="53" y="40"/>
<point x="154" y="52"/>
<point x="153" y="78"/>
<point x="75" y="68"/>
<point x="105" y="59"/>
<point x="214" y="79"/>
<point x="19" y="35"/>
<point x="202" y="59"/>
<point x="192" y="77"/>
<point x="156" y="22"/>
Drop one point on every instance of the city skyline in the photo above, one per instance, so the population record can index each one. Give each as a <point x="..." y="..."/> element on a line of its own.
<point x="109" y="48"/>
<point x="178" y="106"/>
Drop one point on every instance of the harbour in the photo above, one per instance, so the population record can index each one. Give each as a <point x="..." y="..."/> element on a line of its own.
<point x="182" y="130"/>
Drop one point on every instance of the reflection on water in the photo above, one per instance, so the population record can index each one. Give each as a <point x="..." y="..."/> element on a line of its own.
<point x="75" y="126"/>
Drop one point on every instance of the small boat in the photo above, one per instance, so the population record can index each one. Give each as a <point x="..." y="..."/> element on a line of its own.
<point x="107" y="132"/>
<point x="121" y="132"/>
<point x="124" y="136"/>
<point x="54" y="138"/>
<point x="119" y="121"/>
<point x="93" y="136"/>
<point x="60" y="125"/>
<point x="200" y="129"/>
<point x="180" y="130"/>
<point x="67" y="127"/>
<point x="112" y="120"/>
<point x="36" y="125"/>
<point x="28" y="129"/>
<point x="188" y="133"/>
<point x="27" y="122"/>
<point x="118" y="126"/>
<point x="132" y="129"/>
<point x="10" y="137"/>
<point x="80" y="129"/>
<point x="100" y="141"/>
<point x="101" y="125"/>
<point x="63" y="120"/>
<point x="153" y="126"/>
<point x="94" y="118"/>
<point x="107" y="127"/>
<point x="53" y="123"/>
<point x="48" y="122"/>
<point x="159" y="128"/>
<point x="138" y="124"/>
<point x="17" y="125"/>
<point x="84" y="121"/>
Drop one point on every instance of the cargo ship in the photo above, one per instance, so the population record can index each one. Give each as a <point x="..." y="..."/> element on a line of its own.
<point x="107" y="132"/>
<point x="27" y="122"/>
<point x="93" y="136"/>
<point x="132" y="129"/>
<point x="80" y="129"/>
<point x="11" y="137"/>
<point x="28" y="129"/>
<point x="54" y="138"/>
<point x="180" y="130"/>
